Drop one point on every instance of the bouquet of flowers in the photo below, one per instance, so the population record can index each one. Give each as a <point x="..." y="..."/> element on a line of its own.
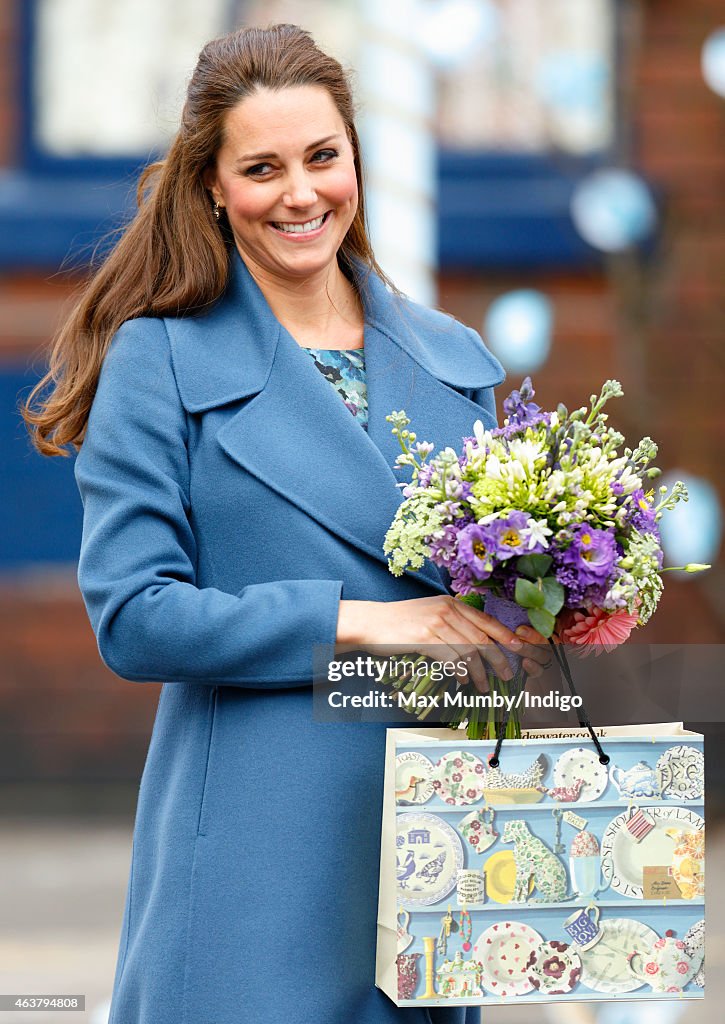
<point x="545" y="513"/>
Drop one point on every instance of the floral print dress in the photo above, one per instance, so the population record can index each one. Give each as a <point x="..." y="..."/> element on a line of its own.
<point x="345" y="370"/>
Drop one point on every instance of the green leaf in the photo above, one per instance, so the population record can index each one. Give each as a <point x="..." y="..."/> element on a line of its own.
<point x="474" y="600"/>
<point x="542" y="621"/>
<point x="534" y="566"/>
<point x="528" y="594"/>
<point x="553" y="595"/>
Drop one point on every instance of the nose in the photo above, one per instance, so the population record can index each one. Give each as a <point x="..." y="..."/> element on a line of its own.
<point x="299" y="190"/>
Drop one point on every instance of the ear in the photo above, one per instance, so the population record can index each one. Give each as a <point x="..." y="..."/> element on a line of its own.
<point x="209" y="177"/>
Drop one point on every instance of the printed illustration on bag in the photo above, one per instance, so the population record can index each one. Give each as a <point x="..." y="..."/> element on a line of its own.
<point x="627" y="850"/>
<point x="607" y="898"/>
<point x="413" y="778"/>
<point x="429" y="854"/>
<point x="501" y="787"/>
<point x="667" y="967"/>
<point x="477" y="829"/>
<point x="534" y="862"/>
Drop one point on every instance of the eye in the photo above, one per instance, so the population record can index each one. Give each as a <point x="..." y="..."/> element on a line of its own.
<point x="258" y="169"/>
<point x="325" y="154"/>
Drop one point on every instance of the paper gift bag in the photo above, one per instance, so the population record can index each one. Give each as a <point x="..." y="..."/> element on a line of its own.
<point x="551" y="877"/>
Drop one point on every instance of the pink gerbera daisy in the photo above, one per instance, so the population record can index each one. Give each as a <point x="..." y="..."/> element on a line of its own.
<point x="596" y="629"/>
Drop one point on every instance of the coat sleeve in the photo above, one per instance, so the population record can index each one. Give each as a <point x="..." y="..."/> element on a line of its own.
<point x="137" y="567"/>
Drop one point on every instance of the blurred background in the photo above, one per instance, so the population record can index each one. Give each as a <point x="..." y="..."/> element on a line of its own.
<point x="552" y="172"/>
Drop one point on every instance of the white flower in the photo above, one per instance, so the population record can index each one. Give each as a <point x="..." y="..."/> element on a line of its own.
<point x="483" y="436"/>
<point x="536" y="532"/>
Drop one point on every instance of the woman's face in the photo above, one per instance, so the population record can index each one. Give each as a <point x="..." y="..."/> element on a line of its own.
<point x="286" y="175"/>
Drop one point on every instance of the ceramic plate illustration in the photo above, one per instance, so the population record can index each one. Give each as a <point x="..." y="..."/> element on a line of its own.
<point x="459" y="778"/>
<point x="413" y="778"/>
<point x="694" y="939"/>
<point x="554" y="968"/>
<point x="681" y="773"/>
<point x="580" y="763"/>
<point x="503" y="951"/>
<point x="429" y="854"/>
<point x="500" y="872"/>
<point x="623" y="860"/>
<point x="604" y="965"/>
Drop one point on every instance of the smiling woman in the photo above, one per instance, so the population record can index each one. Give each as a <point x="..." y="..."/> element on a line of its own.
<point x="234" y="518"/>
<point x="290" y="206"/>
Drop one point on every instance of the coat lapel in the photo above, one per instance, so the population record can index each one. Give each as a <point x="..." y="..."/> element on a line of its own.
<point x="295" y="434"/>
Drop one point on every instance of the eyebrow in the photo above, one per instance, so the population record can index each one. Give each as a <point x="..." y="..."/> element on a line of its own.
<point x="270" y="156"/>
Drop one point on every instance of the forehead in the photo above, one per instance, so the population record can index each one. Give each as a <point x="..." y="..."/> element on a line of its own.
<point x="280" y="120"/>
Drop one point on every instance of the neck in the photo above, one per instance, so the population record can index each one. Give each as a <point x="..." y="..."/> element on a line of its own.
<point x="323" y="307"/>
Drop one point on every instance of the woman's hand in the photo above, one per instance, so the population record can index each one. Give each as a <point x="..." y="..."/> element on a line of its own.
<point x="443" y="628"/>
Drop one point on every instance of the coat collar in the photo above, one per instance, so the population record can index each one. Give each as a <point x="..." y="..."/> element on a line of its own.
<point x="296" y="435"/>
<point x="216" y="361"/>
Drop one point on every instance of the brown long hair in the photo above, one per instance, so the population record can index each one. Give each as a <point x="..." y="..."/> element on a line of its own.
<point x="173" y="258"/>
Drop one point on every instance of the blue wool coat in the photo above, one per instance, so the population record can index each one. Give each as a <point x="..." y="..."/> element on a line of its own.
<point x="230" y="502"/>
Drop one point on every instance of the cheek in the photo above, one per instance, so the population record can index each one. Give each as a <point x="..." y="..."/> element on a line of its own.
<point x="249" y="203"/>
<point x="343" y="188"/>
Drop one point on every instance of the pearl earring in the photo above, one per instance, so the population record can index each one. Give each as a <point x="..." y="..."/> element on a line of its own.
<point x="217" y="210"/>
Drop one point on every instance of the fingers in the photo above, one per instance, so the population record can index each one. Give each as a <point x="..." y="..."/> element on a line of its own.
<point x="493" y="655"/>
<point x="475" y="667"/>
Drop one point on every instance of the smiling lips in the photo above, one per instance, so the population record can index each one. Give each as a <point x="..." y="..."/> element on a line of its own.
<point x="301" y="228"/>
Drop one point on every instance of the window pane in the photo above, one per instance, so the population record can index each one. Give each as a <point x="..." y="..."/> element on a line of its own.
<point x="109" y="78"/>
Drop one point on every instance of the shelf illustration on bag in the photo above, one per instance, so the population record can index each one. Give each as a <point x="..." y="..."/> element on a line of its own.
<point x="429" y="854"/>
<point x="413" y="778"/>
<point x="627" y="852"/>
<point x="461" y="868"/>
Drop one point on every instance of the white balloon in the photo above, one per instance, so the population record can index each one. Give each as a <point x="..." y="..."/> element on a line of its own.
<point x="517" y="329"/>
<point x="692" y="530"/>
<point x="713" y="61"/>
<point x="613" y="209"/>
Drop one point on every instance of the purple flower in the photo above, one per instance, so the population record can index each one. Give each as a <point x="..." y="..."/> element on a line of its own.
<point x="643" y="515"/>
<point x="591" y="555"/>
<point x="443" y="548"/>
<point x="521" y="412"/>
<point x="425" y="474"/>
<point x="507" y="535"/>
<point x="477" y="549"/>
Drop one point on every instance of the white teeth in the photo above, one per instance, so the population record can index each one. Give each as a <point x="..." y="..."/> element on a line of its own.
<point x="300" y="229"/>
